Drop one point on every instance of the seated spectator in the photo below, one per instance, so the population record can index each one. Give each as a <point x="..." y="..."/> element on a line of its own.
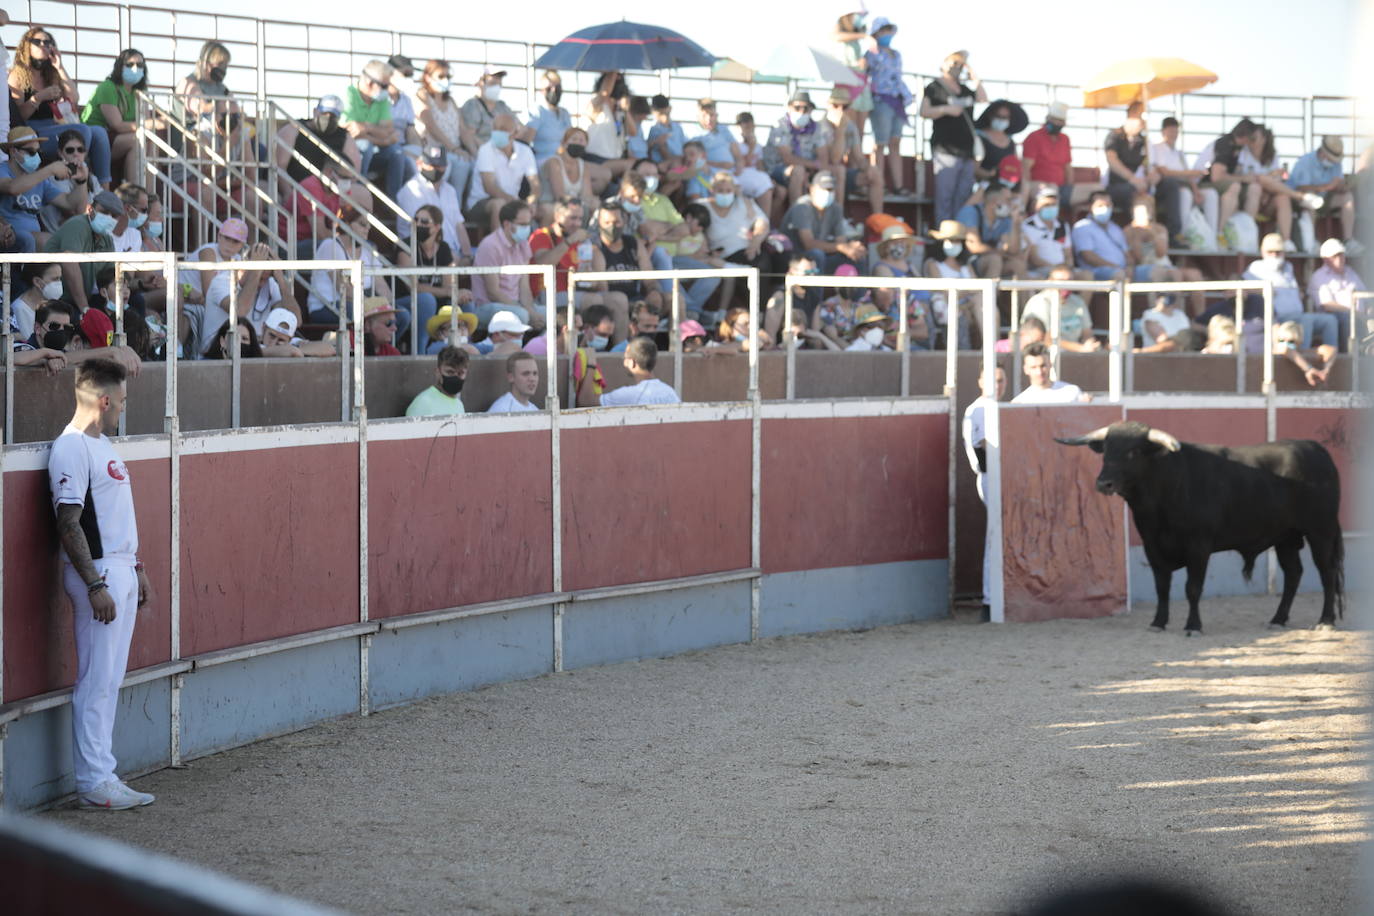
<point x="522" y="379"/>
<point x="737" y="230"/>
<point x="92" y="231"/>
<point x="1332" y="287"/>
<point x="645" y="321"/>
<point x="1178" y="190"/>
<point x="506" y="172"/>
<point x="247" y="339"/>
<point x="1268" y="194"/>
<point x="442" y="398"/>
<point x="1043" y="388"/>
<point x="27" y="186"/>
<point x="228" y="246"/>
<point x="279" y="337"/>
<point x="567" y="174"/>
<point x="567" y="244"/>
<point x="114" y="107"/>
<point x="816" y="227"/>
<point x="621" y="251"/>
<point x="331" y="293"/>
<point x="440" y="124"/>
<point x="736" y="334"/>
<point x="507" y="246"/>
<point x="640" y="358"/>
<point x="666" y="137"/>
<point x="1031" y="330"/>
<point x="505" y="333"/>
<point x="802" y="336"/>
<point x="313" y="206"/>
<point x="443" y="330"/>
<point x="1320" y="172"/>
<point x="398" y="93"/>
<point x="1148" y="242"/>
<point x="25" y="354"/>
<point x="891" y="98"/>
<point x="1127" y="175"/>
<point x="798" y="148"/>
<point x="259" y="292"/>
<point x="46" y="99"/>
<point x="1222" y="336"/>
<point x="847" y="155"/>
<point x="1047" y="155"/>
<point x="1221" y="161"/>
<point x="693" y="335"/>
<point x="605" y="120"/>
<point x="137" y="205"/>
<point x="1075" y="321"/>
<point x="996" y="126"/>
<point x="1048" y="241"/>
<point x="993" y="217"/>
<point x="435" y="290"/>
<point x="598" y="328"/>
<point x="1099" y="243"/>
<point x="1166" y="328"/>
<point x="950" y="262"/>
<point x="693" y="174"/>
<point x="715" y="138"/>
<point x="480" y="113"/>
<point x="379" y="327"/>
<point x="1274" y="267"/>
<point x="870" y="330"/>
<point x="39" y="282"/>
<point x="753" y="181"/>
<point x="302" y="144"/>
<point x="896" y="247"/>
<point x="835" y="316"/>
<point x="428" y="188"/>
<point x="71" y="151"/>
<point x="949" y="104"/>
<point x="1313" y="364"/>
<point x="651" y="217"/>
<point x="550" y="121"/>
<point x="367" y="118"/>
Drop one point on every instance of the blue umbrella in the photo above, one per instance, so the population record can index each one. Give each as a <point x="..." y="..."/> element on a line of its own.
<point x="625" y="46"/>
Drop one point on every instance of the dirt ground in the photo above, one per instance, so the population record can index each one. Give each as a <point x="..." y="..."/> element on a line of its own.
<point x="944" y="767"/>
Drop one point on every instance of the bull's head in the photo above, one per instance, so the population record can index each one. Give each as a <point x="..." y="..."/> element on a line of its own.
<point x="1127" y="450"/>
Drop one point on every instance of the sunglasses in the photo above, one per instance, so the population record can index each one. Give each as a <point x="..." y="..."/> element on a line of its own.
<point x="43" y="42"/>
<point x="800" y="107"/>
<point x="54" y="326"/>
<point x="73" y="150"/>
<point x="428" y="222"/>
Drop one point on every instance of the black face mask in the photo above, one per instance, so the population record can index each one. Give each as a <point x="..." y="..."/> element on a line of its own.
<point x="1053" y="128"/>
<point x="431" y="175"/>
<point x="576" y="150"/>
<point x="56" y="340"/>
<point x="217" y="74"/>
<point x="452" y="384"/>
<point x="327" y="122"/>
<point x="554" y="95"/>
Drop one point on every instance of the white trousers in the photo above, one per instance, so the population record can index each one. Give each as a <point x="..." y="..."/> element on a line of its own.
<point x="987" y="554"/>
<point x="102" y="656"/>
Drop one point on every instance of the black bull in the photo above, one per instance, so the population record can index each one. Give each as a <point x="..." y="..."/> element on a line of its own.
<point x="1191" y="501"/>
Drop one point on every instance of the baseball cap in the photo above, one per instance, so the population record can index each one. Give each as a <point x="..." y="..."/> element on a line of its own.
<point x="690" y="328"/>
<point x="233" y="228"/>
<point x="1059" y="111"/>
<point x="400" y="62"/>
<point x="824" y="180"/>
<point x="434" y="155"/>
<point x="1047" y="192"/>
<point x="846" y="270"/>
<point x="110" y="203"/>
<point x="506" y="321"/>
<point x="1332" y="247"/>
<point x="282" y="320"/>
<point x="493" y="70"/>
<point x="1009" y="170"/>
<point x="97" y="328"/>
<point x="330" y="103"/>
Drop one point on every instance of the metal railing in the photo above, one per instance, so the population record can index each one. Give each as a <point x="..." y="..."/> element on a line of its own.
<point x="1114" y="332"/>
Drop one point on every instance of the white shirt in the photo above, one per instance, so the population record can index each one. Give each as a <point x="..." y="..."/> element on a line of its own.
<point x="508" y="403"/>
<point x="975" y="430"/>
<point x="131" y="240"/>
<point x="416" y="193"/>
<point x="1057" y="393"/>
<point x="509" y="170"/>
<point x="1049" y="249"/>
<point x="269" y="294"/>
<point x="1170" y="324"/>
<point x="649" y="391"/>
<point x="1162" y="155"/>
<point x="86" y="471"/>
<point x="324" y="292"/>
<point x="1203" y="162"/>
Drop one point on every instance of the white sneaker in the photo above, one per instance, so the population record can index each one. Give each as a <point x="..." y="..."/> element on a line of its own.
<point x="1289" y="247"/>
<point x="1313" y="201"/>
<point x="110" y="795"/>
<point x="1353" y="248"/>
<point x="144" y="798"/>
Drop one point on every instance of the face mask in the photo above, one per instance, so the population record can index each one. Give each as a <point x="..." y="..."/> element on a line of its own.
<point x="30" y="162"/>
<point x="1102" y="214"/>
<point x="954" y="249"/>
<point x="132" y="75"/>
<point x="630" y="207"/>
<point x="822" y="198"/>
<point x="1049" y="214"/>
<point x="154" y="229"/>
<point x="136" y="222"/>
<point x="885" y="40"/>
<point x="431" y="175"/>
<point x="724" y="199"/>
<point x="553" y="95"/>
<point x="424" y="233"/>
<point x="1274" y="257"/>
<point x="598" y="342"/>
<point x="522" y="233"/>
<point x="874" y="336"/>
<point x="56" y="340"/>
<point x="651" y="183"/>
<point x="442" y="85"/>
<point x="1000" y="123"/>
<point x="610" y="233"/>
<point x="103" y="223"/>
<point x="576" y="150"/>
<point x="52" y="290"/>
<point x="500" y="139"/>
<point x="896" y="252"/>
<point x="491" y="92"/>
<point x="1052" y="128"/>
<point x="345" y="185"/>
<point x="799" y="119"/>
<point x="451" y="384"/>
<point x="1002" y="210"/>
<point x="741" y="337"/>
<point x="217" y="74"/>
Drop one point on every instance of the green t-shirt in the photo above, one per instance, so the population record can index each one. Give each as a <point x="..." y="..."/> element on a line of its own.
<point x="434" y="403"/>
<point x="356" y="108"/>
<point x="107" y="93"/>
<point x="76" y="236"/>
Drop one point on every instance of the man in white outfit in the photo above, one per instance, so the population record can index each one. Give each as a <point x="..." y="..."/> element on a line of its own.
<point x="94" y="502"/>
<point x="640" y="357"/>
<point x="975" y="447"/>
<point x="1035" y="362"/>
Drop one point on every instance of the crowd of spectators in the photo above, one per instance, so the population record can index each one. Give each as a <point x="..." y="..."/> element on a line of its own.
<point x="464" y="179"/>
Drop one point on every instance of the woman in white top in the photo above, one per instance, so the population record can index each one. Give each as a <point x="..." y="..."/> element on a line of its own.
<point x="330" y="291"/>
<point x="605" y="138"/>
<point x="439" y="123"/>
<point x="950" y="262"/>
<point x="228" y="246"/>
<point x="567" y="174"/>
<point x="737" y="231"/>
<point x="1258" y="157"/>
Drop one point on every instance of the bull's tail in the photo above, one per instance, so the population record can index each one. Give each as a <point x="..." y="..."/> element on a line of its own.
<point x="1338" y="572"/>
<point x="1249" y="568"/>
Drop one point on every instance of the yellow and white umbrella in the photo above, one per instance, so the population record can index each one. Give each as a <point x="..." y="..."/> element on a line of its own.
<point x="1143" y="79"/>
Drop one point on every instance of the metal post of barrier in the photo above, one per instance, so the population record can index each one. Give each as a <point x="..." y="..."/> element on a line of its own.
<point x="755" y="458"/>
<point x="573" y="349"/>
<point x="789" y="342"/>
<point x="903" y="343"/>
<point x="7" y="341"/>
<point x="674" y="336"/>
<point x="235" y="357"/>
<point x="355" y="276"/>
<point x="1117" y="301"/>
<point x="1267" y="384"/>
<point x="1239" y="342"/>
<point x="1239" y="287"/>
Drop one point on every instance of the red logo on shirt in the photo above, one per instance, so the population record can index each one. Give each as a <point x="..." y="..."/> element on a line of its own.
<point x="116" y="470"/>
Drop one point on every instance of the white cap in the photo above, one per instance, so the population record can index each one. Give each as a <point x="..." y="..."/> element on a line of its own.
<point x="1332" y="247"/>
<point x="1059" y="111"/>
<point x="506" y="321"/>
<point x="283" y="321"/>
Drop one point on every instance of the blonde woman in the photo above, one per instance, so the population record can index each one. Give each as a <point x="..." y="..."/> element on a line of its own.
<point x="47" y="98"/>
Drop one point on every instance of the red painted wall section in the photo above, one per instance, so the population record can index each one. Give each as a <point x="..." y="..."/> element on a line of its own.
<point x="39" y="653"/>
<point x="458" y="520"/>
<point x="269" y="544"/>
<point x="1061" y="539"/>
<point x="855" y="491"/>
<point x="650" y="502"/>
<point x="1341" y="431"/>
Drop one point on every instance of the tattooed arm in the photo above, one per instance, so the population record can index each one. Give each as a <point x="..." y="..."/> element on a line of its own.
<point x="79" y="552"/>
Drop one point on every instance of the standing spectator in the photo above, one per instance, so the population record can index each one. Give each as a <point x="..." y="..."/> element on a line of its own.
<point x="1099" y="243"/>
<point x="46" y="97"/>
<point x="299" y="143"/>
<point x="1075" y="321"/>
<point x="506" y="246"/>
<point x="1043" y="388"/>
<point x="750" y="176"/>
<point x="88" y="232"/>
<point x="948" y="103"/>
<point x="996" y="126"/>
<point x="1047" y="154"/>
<point x="441" y="124"/>
<point x="855" y="45"/>
<point x="604" y="118"/>
<point x="637" y="111"/>
<point x="640" y="358"/>
<point x="816" y="228"/>
<point x="1126" y="162"/>
<point x="379" y="327"/>
<point x="798" y="147"/>
<point x="1274" y="267"/>
<point x="428" y="188"/>
<point x="101" y="573"/>
<point x="442" y="398"/>
<point x="1333" y="286"/>
<point x="847" y="154"/>
<point x="522" y="377"/>
<point x="1178" y="189"/>
<point x="506" y="172"/>
<point x="367" y="118"/>
<point x="114" y="107"/>
<point x="993" y="219"/>
<point x="1320" y="172"/>
<point x="550" y="121"/>
<point x="950" y="262"/>
<point x="567" y="244"/>
<point x="481" y="112"/>
<point x="27" y="186"/>
<point x="891" y="98"/>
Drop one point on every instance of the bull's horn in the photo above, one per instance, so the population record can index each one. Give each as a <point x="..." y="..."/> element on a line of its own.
<point x="1096" y="435"/>
<point x="1164" y="440"/>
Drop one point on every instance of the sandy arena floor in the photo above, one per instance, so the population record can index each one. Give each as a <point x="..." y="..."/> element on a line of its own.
<point x="944" y="767"/>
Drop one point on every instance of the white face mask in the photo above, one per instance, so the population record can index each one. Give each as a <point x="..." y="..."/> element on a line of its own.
<point x="492" y="92"/>
<point x="799" y="118"/>
<point x="52" y="290"/>
<point x="651" y="183"/>
<point x="874" y="336"/>
<point x="822" y="198"/>
<point x="954" y="249"/>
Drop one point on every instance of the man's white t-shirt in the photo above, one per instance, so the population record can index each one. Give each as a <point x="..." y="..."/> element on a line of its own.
<point x="649" y="391"/>
<point x="416" y="193"/>
<point x="509" y="171"/>
<point x="1170" y="324"/>
<point x="1057" y="393"/>
<point x="86" y="471"/>
<point x="508" y="403"/>
<point x="269" y="294"/>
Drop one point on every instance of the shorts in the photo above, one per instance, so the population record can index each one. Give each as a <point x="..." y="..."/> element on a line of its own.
<point x="851" y="180"/>
<point x="887" y="122"/>
<point x="1142" y="273"/>
<point x="1105" y="273"/>
<point x="779" y="174"/>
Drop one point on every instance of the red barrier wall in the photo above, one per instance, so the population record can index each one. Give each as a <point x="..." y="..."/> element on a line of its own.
<point x="1061" y="540"/>
<point x="458" y="520"/>
<point x="656" y="501"/>
<point x="1341" y="430"/>
<point x="269" y="544"/>
<point x="39" y="653"/>
<point x="855" y="491"/>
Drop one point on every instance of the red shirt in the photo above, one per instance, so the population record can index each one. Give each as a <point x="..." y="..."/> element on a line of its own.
<point x="1050" y="154"/>
<point x="543" y="240"/>
<point x="303" y="205"/>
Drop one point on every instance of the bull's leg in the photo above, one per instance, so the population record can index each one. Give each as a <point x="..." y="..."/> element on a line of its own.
<point x="1324" y="558"/>
<point x="1289" y="552"/>
<point x="1197" y="574"/>
<point x="1163" y="579"/>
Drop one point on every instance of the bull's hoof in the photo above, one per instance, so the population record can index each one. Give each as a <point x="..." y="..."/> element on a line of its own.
<point x="1192" y="632"/>
<point x="1277" y="626"/>
<point x="1156" y="629"/>
<point x="1325" y="625"/>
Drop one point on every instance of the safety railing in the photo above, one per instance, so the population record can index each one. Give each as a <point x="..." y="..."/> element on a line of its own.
<point x="1361" y="334"/>
<point x="1114" y="332"/>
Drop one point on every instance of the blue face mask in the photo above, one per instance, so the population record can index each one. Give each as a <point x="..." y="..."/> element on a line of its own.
<point x="724" y="199"/>
<point x="103" y="223"/>
<point x="522" y="233"/>
<point x="30" y="162"/>
<point x="155" y="229"/>
<point x="884" y="40"/>
<point x="500" y="139"/>
<point x="1102" y="215"/>
<point x="1000" y="123"/>
<point x="137" y="222"/>
<point x="1049" y="214"/>
<point x="132" y="75"/>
